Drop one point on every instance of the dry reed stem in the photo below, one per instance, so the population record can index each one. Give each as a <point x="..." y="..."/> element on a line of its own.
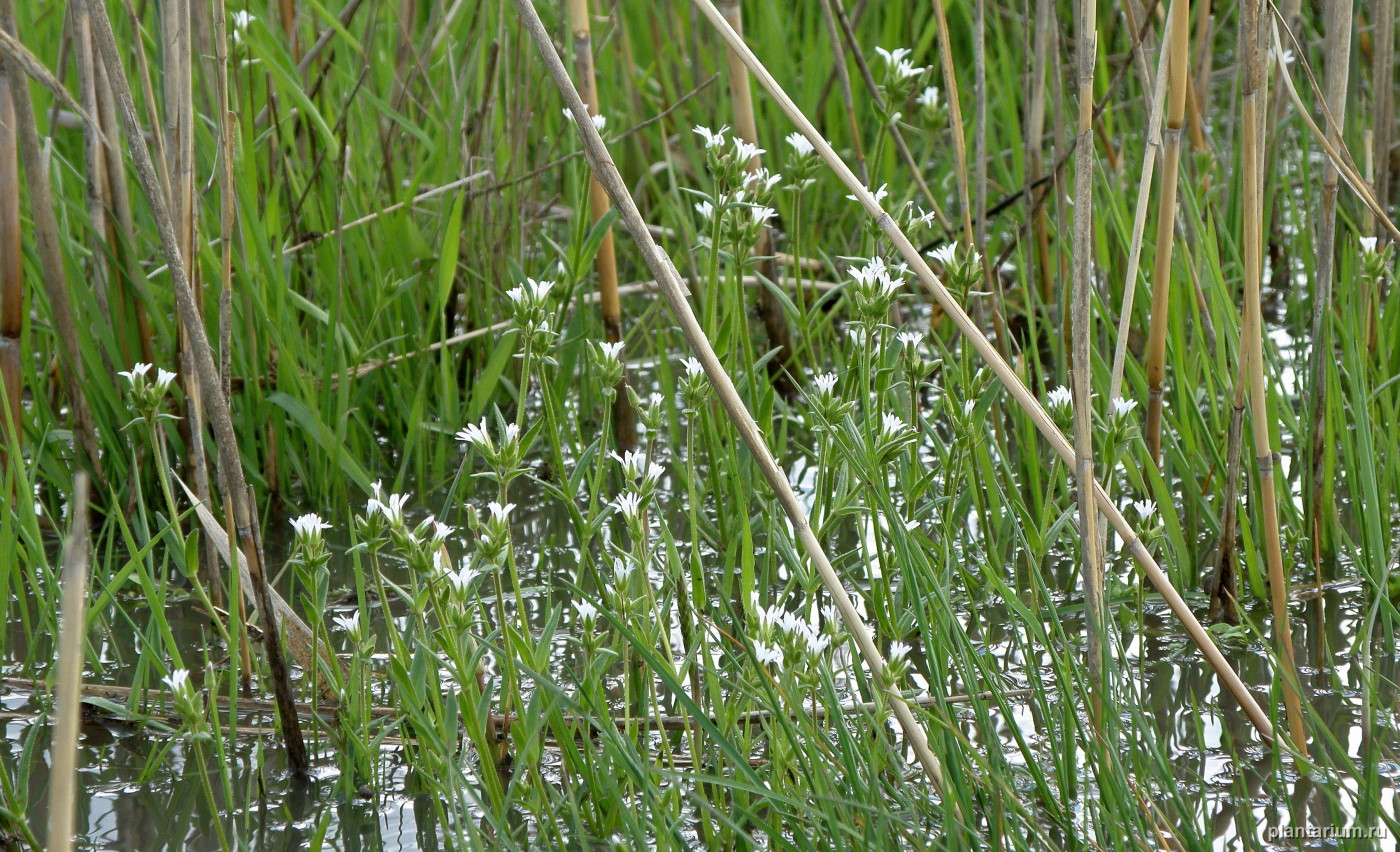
<point x="1253" y="91"/>
<point x="783" y="371"/>
<point x="1179" y="40"/>
<point x="95" y="177"/>
<point x="842" y="74"/>
<point x="896" y="135"/>
<point x="11" y="289"/>
<point x="1149" y="162"/>
<point x="68" y="692"/>
<point x="605" y="261"/>
<point x="1081" y="376"/>
<point x="675" y="292"/>
<point x="1024" y="398"/>
<point x="47" y="243"/>
<point x="1383" y="94"/>
<point x="127" y="289"/>
<point x="955" y="122"/>
<point x="1035" y="133"/>
<point x="1337" y="23"/>
<point x="230" y="465"/>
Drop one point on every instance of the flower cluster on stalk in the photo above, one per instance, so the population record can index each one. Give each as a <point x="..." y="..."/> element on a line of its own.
<point x="874" y="287"/>
<point x="962" y="268"/>
<point x="828" y="409"/>
<point x="532" y="311"/>
<point x="607" y="361"/>
<point x="786" y="639"/>
<point x="741" y="206"/>
<point x="1374" y="259"/>
<point x="802" y="164"/>
<point x="147" y="394"/>
<point x="694" y="385"/>
<point x="503" y="452"/>
<point x="308" y="540"/>
<point x="901" y="78"/>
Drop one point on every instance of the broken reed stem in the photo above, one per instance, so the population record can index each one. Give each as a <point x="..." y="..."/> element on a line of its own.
<point x="675" y="292"/>
<point x="1081" y="375"/>
<point x="1179" y="40"/>
<point x="1383" y="93"/>
<point x="1338" y="52"/>
<point x="68" y="683"/>
<point x="1223" y="586"/>
<point x="1253" y="94"/>
<point x="842" y="74"/>
<point x="11" y="287"/>
<point x="605" y="261"/>
<point x="127" y="288"/>
<point x="783" y="372"/>
<point x="230" y="465"/>
<point x="46" y="241"/>
<point x="1024" y="398"/>
<point x="1035" y="134"/>
<point x="1149" y="163"/>
<point x="901" y="147"/>
<point x="955" y="122"/>
<point x="95" y="167"/>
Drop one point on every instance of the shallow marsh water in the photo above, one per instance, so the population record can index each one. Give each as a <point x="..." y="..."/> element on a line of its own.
<point x="141" y="791"/>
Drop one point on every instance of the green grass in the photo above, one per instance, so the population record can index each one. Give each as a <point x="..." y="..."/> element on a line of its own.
<point x="957" y="533"/>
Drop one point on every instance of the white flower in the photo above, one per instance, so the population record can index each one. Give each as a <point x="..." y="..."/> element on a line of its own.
<point x="825" y="383"/>
<point x="611" y="350"/>
<point x="587" y="613"/>
<point x="880" y="193"/>
<point x="924" y="219"/>
<point x="441" y="531"/>
<point x="898" y="651"/>
<point x="800" y="144"/>
<point x="629" y="504"/>
<point x="178" y="681"/>
<point x="760" y="180"/>
<point x="968" y="406"/>
<point x="705" y="209"/>
<point x="1368" y="245"/>
<point x="946" y="255"/>
<point x="138" y="371"/>
<point x="623" y="569"/>
<point x="831" y="613"/>
<point x="1145" y="509"/>
<point x="928" y="98"/>
<point x="894" y="57"/>
<point x="241" y="19"/>
<point x="816" y="642"/>
<point x="766" y="653"/>
<point x="761" y="215"/>
<point x="500" y="514"/>
<point x="163" y="379"/>
<point x="892" y="427"/>
<point x="538" y="289"/>
<point x="693" y="368"/>
<point x="1059" y="399"/>
<point x="911" y="339"/>
<point x="462" y="578"/>
<point x="350" y="624"/>
<point x="599" y="121"/>
<point x="1123" y="407"/>
<point x="473" y="434"/>
<point x="746" y="151"/>
<point x="713" y="138"/>
<point x="635" y="466"/>
<point x="655" y="398"/>
<point x="392" y="510"/>
<point x="309" y="525"/>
